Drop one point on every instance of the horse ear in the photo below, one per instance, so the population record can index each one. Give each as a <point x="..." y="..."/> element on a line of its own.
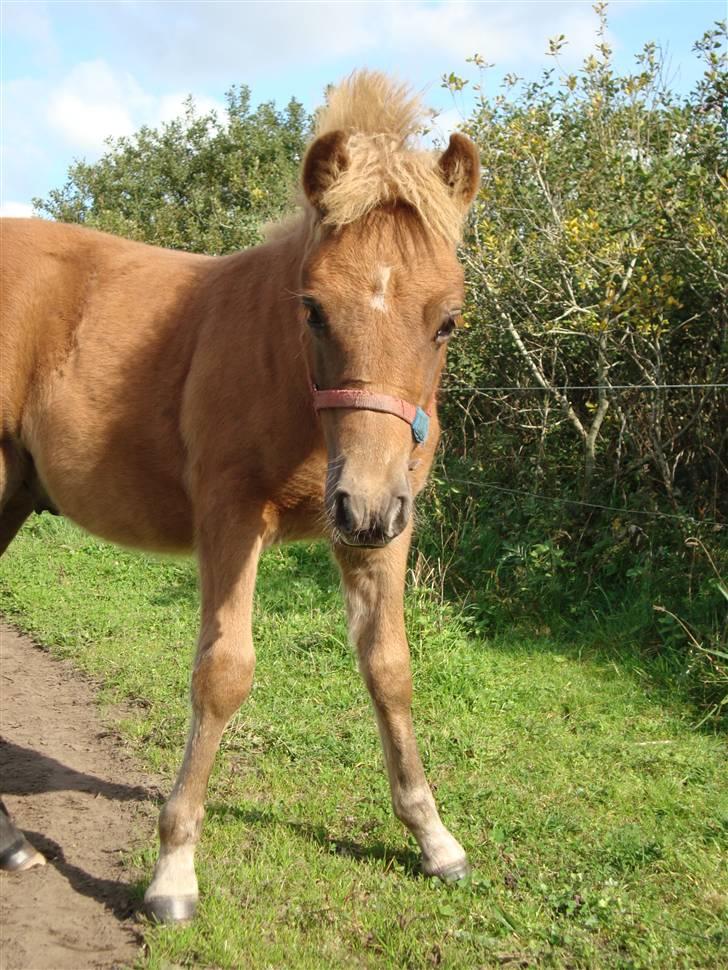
<point x="325" y="160"/>
<point x="460" y="169"/>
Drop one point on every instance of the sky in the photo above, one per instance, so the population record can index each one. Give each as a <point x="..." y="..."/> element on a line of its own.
<point x="75" y="72"/>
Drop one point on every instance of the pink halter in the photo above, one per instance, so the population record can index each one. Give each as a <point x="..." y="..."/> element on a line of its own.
<point x="344" y="397"/>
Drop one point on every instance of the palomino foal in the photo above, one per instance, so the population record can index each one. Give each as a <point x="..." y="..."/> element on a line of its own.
<point x="173" y="401"/>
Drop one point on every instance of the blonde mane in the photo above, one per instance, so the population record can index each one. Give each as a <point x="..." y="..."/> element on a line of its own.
<point x="382" y="120"/>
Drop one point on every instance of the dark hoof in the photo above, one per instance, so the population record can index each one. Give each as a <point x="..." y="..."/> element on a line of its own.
<point x="20" y="856"/>
<point x="454" y="873"/>
<point x="171" y="909"/>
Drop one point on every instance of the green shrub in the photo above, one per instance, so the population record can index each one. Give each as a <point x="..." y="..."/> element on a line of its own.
<point x="597" y="257"/>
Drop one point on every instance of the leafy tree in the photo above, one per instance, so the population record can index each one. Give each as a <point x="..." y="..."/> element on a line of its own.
<point x="598" y="256"/>
<point x="198" y="183"/>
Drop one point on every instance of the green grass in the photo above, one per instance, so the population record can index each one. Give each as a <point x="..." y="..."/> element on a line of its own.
<point x="595" y="816"/>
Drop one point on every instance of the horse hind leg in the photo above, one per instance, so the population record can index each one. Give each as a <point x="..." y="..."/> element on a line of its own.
<point x="13" y="515"/>
<point x="16" y="504"/>
<point x="17" y="500"/>
<point x="16" y="853"/>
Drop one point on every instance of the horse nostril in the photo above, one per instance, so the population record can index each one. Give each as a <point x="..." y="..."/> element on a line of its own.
<point x="397" y="515"/>
<point x="366" y="527"/>
<point x="401" y="513"/>
<point x="342" y="511"/>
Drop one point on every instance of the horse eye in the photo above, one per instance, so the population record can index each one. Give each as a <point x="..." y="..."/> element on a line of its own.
<point x="315" y="316"/>
<point x="446" y="330"/>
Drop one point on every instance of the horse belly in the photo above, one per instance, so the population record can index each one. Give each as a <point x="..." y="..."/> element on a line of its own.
<point x="116" y="476"/>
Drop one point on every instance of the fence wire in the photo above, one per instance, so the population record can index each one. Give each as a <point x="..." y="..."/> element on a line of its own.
<point x="563" y="388"/>
<point x="561" y="500"/>
<point x="450" y="386"/>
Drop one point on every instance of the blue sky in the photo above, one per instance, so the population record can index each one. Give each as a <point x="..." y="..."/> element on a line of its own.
<point x="75" y="72"/>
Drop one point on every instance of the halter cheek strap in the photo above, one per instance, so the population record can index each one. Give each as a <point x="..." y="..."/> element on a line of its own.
<point x="414" y="416"/>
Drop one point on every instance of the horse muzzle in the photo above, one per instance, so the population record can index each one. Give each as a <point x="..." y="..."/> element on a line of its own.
<point x="368" y="507"/>
<point x="361" y="522"/>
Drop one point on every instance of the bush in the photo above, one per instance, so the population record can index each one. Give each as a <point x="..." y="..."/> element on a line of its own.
<point x="597" y="260"/>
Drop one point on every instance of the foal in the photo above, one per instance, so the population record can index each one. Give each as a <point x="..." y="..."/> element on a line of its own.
<point x="173" y="401"/>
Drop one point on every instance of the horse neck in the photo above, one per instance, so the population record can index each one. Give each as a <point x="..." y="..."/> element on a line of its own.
<point x="262" y="285"/>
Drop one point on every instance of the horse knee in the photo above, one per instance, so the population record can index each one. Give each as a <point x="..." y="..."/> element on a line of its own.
<point x="223" y="677"/>
<point x="389" y="680"/>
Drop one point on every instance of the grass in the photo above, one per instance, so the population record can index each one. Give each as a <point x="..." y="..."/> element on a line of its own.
<point x="596" y="817"/>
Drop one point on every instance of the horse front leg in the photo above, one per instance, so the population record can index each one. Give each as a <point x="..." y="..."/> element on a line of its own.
<point x="374" y="590"/>
<point x="221" y="681"/>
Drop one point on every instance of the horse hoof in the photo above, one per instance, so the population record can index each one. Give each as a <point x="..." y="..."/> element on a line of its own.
<point x="21" y="856"/>
<point x="454" y="873"/>
<point x="171" y="909"/>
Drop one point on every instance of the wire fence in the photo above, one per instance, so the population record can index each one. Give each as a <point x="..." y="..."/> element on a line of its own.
<point x="563" y="388"/>
<point x="452" y="384"/>
<point x="562" y="500"/>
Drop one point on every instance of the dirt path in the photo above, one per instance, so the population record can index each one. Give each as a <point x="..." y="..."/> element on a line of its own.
<point x="82" y="801"/>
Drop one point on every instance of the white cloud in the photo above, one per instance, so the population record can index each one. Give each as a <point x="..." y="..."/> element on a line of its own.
<point x="94" y="103"/>
<point x="16" y="210"/>
<point x="513" y="36"/>
<point x="46" y="123"/>
<point x="187" y="42"/>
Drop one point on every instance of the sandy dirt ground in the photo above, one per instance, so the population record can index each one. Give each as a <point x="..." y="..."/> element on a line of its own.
<point x="75" y="790"/>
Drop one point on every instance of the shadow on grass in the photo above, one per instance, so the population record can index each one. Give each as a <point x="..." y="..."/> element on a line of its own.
<point x="283" y="571"/>
<point x="407" y="859"/>
<point x="186" y="590"/>
<point x="296" y="568"/>
<point x="515" y="569"/>
<point x="663" y="675"/>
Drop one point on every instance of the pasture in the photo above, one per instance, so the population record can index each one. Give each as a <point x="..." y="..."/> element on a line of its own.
<point x="594" y="814"/>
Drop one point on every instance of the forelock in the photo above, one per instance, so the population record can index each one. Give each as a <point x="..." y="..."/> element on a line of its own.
<point x="382" y="121"/>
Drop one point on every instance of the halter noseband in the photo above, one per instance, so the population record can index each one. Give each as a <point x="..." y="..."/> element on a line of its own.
<point x="344" y="397"/>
